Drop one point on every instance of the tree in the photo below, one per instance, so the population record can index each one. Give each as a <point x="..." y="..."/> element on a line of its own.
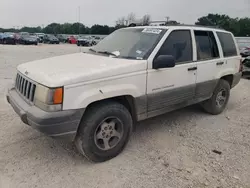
<point x="238" y="26"/>
<point x="120" y="23"/>
<point x="146" y="19"/>
<point x="131" y="18"/>
<point x="53" y="28"/>
<point x="100" y="29"/>
<point x="31" y="29"/>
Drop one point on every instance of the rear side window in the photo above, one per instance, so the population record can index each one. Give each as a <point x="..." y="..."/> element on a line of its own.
<point x="206" y="45"/>
<point x="227" y="44"/>
<point x="179" y="45"/>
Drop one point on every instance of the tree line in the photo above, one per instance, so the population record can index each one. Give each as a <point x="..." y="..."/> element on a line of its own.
<point x="238" y="26"/>
<point x="66" y="28"/>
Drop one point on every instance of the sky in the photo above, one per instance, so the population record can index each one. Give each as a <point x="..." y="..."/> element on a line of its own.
<point x="19" y="13"/>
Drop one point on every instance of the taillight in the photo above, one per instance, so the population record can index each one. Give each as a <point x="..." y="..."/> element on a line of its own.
<point x="241" y="66"/>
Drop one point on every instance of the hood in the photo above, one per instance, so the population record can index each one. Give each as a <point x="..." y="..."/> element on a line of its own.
<point x="75" y="68"/>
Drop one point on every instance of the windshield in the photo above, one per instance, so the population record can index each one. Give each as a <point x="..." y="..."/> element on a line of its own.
<point x="52" y="37"/>
<point x="132" y="43"/>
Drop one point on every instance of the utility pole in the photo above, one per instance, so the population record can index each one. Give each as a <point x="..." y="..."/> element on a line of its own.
<point x="79" y="18"/>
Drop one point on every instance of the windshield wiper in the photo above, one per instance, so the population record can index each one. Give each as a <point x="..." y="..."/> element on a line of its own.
<point x="107" y="53"/>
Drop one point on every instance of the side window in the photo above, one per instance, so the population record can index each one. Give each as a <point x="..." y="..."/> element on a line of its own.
<point x="206" y="45"/>
<point x="179" y="45"/>
<point x="227" y="44"/>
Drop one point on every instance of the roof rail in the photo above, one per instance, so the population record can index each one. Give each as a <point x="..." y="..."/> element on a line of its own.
<point x="214" y="27"/>
<point x="170" y="23"/>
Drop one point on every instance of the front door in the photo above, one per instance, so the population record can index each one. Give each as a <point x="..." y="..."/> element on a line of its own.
<point x="171" y="88"/>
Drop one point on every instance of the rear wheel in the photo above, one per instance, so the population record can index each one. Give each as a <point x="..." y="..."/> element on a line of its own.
<point x="218" y="102"/>
<point x="104" y="131"/>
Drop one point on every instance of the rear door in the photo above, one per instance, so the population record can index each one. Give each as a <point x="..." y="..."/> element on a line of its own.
<point x="172" y="88"/>
<point x="209" y="63"/>
<point x="230" y="53"/>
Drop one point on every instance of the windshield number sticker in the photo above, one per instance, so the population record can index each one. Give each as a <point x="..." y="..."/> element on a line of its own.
<point x="154" y="31"/>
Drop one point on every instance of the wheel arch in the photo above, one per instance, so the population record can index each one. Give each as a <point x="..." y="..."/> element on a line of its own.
<point x="228" y="78"/>
<point x="126" y="100"/>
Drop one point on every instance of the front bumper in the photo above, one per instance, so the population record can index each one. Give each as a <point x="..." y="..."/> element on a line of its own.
<point x="61" y="123"/>
<point x="83" y="43"/>
<point x="31" y="42"/>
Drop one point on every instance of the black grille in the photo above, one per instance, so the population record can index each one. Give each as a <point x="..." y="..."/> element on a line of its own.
<point x="25" y="87"/>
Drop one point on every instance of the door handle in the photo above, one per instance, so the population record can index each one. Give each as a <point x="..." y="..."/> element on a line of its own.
<point x="192" y="68"/>
<point x="220" y="63"/>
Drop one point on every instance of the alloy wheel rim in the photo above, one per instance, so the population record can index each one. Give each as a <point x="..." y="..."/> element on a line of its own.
<point x="108" y="133"/>
<point x="221" y="98"/>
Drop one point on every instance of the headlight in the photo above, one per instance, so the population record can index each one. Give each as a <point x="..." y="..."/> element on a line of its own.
<point x="48" y="99"/>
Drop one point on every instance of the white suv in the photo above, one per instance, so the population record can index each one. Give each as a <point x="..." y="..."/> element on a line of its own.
<point x="133" y="74"/>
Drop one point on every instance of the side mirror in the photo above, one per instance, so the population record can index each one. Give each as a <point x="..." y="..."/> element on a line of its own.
<point x="164" y="61"/>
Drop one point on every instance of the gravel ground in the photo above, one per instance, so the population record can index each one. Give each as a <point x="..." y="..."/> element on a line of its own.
<point x="173" y="150"/>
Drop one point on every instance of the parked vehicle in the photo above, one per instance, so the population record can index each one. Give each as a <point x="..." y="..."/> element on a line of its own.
<point x="62" y="38"/>
<point x="133" y="74"/>
<point x="50" y="39"/>
<point x="40" y="37"/>
<point x="8" y="38"/>
<point x="28" y="40"/>
<point x="246" y="67"/>
<point x="96" y="40"/>
<point x="245" y="51"/>
<point x="85" y="41"/>
<point x="72" y="40"/>
<point x="244" y="45"/>
<point x="1" y="38"/>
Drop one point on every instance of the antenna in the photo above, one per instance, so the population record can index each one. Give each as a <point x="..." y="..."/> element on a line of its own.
<point x="79" y="21"/>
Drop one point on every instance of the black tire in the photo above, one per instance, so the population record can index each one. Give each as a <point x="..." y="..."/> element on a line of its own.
<point x="211" y="106"/>
<point x="86" y="142"/>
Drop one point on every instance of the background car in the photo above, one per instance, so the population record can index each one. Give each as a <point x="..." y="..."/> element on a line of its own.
<point x="1" y="38"/>
<point x="245" y="51"/>
<point x="8" y="38"/>
<point x="246" y="67"/>
<point x="62" y="38"/>
<point x="85" y="41"/>
<point x="28" y="40"/>
<point x="50" y="39"/>
<point x="96" y="40"/>
<point x="244" y="45"/>
<point x="40" y="37"/>
<point x="72" y="39"/>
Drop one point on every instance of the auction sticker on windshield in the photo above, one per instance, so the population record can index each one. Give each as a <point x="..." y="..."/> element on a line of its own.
<point x="154" y="31"/>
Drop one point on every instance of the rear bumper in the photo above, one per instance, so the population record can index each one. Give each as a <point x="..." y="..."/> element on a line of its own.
<point x="236" y="79"/>
<point x="61" y="123"/>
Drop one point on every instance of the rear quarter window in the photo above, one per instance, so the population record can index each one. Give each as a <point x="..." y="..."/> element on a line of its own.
<point x="227" y="44"/>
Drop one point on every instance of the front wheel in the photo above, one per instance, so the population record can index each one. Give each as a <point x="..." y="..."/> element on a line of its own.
<point x="218" y="102"/>
<point x="104" y="131"/>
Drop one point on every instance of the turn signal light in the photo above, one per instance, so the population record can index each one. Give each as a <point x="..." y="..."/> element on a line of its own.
<point x="58" y="96"/>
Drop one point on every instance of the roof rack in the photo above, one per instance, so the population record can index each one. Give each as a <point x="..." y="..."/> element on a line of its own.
<point x="214" y="27"/>
<point x="173" y="23"/>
